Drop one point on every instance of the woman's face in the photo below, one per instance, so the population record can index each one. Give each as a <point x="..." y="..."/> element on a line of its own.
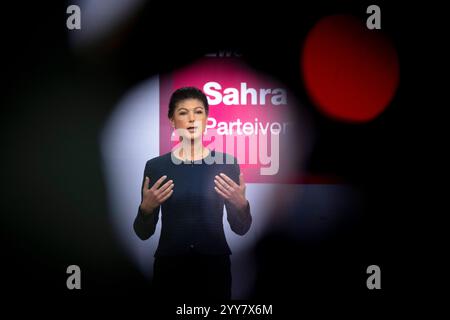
<point x="189" y="114"/>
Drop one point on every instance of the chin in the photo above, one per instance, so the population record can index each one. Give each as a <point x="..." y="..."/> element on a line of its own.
<point x="192" y="136"/>
<point x="196" y="136"/>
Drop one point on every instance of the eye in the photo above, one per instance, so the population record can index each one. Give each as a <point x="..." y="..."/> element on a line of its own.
<point x="199" y="111"/>
<point x="182" y="113"/>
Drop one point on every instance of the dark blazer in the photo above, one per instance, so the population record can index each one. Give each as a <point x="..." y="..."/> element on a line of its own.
<point x="192" y="216"/>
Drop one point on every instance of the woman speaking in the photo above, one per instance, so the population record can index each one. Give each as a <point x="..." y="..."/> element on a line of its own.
<point x="191" y="185"/>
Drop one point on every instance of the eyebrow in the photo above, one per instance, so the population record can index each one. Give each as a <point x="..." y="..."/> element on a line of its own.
<point x="184" y="108"/>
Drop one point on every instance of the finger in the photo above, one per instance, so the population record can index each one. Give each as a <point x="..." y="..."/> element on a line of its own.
<point x="222" y="182"/>
<point x="229" y="180"/>
<point x="224" y="188"/>
<point x="165" y="192"/>
<point x="165" y="186"/>
<point x="167" y="196"/>
<point x="221" y="193"/>
<point x="158" y="183"/>
<point x="146" y="184"/>
<point x="241" y="179"/>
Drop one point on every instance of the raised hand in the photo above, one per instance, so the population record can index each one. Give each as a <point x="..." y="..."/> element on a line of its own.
<point x="231" y="191"/>
<point x="153" y="197"/>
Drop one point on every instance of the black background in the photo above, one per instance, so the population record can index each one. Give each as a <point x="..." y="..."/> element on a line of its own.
<point x="54" y="104"/>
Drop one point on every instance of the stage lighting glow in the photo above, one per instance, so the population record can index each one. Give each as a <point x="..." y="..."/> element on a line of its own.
<point x="100" y="18"/>
<point x="351" y="73"/>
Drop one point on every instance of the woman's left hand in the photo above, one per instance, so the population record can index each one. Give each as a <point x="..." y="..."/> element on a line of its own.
<point x="231" y="191"/>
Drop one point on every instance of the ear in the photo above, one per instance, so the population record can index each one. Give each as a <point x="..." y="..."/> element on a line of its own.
<point x="172" y="122"/>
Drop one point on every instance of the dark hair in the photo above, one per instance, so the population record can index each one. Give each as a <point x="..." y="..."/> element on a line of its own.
<point x="187" y="93"/>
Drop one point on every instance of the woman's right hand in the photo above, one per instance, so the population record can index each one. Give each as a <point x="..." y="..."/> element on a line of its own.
<point x="152" y="198"/>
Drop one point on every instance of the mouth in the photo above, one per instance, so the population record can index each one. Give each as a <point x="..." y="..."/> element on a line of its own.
<point x="191" y="129"/>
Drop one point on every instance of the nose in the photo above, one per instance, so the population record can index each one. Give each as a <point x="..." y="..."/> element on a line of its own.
<point x="191" y="117"/>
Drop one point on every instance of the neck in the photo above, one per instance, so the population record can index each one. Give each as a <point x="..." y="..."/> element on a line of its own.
<point x="192" y="149"/>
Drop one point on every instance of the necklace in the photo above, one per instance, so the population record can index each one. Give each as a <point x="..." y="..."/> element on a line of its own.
<point x="185" y="159"/>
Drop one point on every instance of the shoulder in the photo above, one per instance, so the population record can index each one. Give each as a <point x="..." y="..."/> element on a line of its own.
<point x="160" y="161"/>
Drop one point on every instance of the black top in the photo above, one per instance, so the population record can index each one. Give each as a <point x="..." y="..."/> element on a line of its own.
<point x="192" y="216"/>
